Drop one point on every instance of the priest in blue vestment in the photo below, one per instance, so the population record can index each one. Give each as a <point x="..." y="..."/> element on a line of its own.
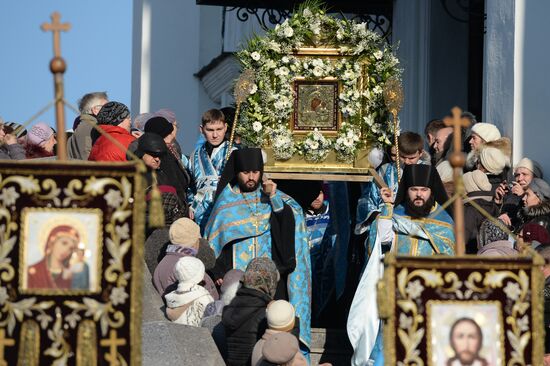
<point x="252" y="219"/>
<point x="206" y="163"/>
<point x="414" y="225"/>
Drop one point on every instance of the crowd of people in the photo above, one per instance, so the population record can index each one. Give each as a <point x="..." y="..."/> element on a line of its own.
<point x="256" y="261"/>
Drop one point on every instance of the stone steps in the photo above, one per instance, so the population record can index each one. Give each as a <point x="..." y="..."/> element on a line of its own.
<point x="330" y="345"/>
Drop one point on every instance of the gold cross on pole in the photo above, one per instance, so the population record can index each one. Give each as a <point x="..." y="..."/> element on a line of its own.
<point x="113" y="343"/>
<point x="55" y="27"/>
<point x="4" y="342"/>
<point x="457" y="161"/>
<point x="58" y="67"/>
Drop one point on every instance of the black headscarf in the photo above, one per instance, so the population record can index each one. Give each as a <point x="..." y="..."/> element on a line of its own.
<point x="303" y="191"/>
<point x="420" y="175"/>
<point x="243" y="160"/>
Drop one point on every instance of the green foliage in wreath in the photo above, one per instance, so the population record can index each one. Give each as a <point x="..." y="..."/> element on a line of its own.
<point x="364" y="64"/>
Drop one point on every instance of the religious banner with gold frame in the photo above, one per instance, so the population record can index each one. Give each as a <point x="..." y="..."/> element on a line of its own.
<point x="313" y="94"/>
<point x="71" y="242"/>
<point x="462" y="310"/>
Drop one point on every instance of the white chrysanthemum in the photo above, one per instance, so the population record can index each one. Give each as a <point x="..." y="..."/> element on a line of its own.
<point x="377" y="89"/>
<point x="307" y="13"/>
<point x="285" y="60"/>
<point x="317" y="71"/>
<point x="378" y="55"/>
<point x="255" y="56"/>
<point x="288" y="32"/>
<point x="339" y="34"/>
<point x="253" y="89"/>
<point x="314" y="145"/>
<point x="315" y="27"/>
<point x="257" y="126"/>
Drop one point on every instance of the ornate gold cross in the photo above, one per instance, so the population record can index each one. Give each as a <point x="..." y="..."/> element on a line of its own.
<point x="4" y="342"/>
<point x="113" y="343"/>
<point x="457" y="161"/>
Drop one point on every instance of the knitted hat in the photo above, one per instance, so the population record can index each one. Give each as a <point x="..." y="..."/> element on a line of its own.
<point x="490" y="232"/>
<point x="535" y="232"/>
<point x="280" y="315"/>
<point x="531" y="165"/>
<point x="206" y="254"/>
<point x="189" y="271"/>
<point x="18" y="130"/>
<point x="166" y="113"/>
<point x="261" y="274"/>
<point x="185" y="232"/>
<point x="112" y="113"/>
<point x="540" y="188"/>
<point x="492" y="159"/>
<point x="39" y="133"/>
<point x="487" y="131"/>
<point x="280" y="348"/>
<point x="498" y="248"/>
<point x="476" y="181"/>
<point x="141" y="119"/>
<point x="160" y="126"/>
<point x="231" y="277"/>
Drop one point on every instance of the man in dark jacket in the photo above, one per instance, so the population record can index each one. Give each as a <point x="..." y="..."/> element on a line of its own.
<point x="79" y="144"/>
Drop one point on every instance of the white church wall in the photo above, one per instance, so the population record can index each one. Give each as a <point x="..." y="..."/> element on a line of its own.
<point x="498" y="83"/>
<point x="448" y="64"/>
<point x="171" y="41"/>
<point x="411" y="29"/>
<point x="533" y="77"/>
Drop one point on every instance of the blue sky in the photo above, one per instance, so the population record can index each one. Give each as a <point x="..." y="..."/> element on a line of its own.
<point x="97" y="50"/>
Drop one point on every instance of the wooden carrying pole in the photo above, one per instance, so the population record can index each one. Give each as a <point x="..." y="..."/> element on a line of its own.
<point x="457" y="161"/>
<point x="58" y="67"/>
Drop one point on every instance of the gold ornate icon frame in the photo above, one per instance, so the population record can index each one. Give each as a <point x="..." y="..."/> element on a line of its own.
<point x="49" y="324"/>
<point x="412" y="286"/>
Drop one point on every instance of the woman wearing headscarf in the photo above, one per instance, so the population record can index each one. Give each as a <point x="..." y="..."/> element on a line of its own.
<point x="536" y="204"/>
<point x="40" y="141"/>
<point x="170" y="163"/>
<point x="510" y="195"/>
<point x="244" y="319"/>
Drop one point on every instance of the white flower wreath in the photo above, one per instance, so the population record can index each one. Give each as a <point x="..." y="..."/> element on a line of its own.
<point x="265" y="114"/>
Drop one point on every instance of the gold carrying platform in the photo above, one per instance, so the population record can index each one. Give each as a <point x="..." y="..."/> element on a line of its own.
<point x="297" y="168"/>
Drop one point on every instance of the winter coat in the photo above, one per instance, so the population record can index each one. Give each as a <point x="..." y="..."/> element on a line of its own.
<point x="244" y="320"/>
<point x="105" y="150"/>
<point x="12" y="152"/>
<point x="473" y="218"/>
<point x="539" y="214"/>
<point x="257" y="357"/>
<point x="186" y="306"/>
<point x="79" y="145"/>
<point x="164" y="277"/>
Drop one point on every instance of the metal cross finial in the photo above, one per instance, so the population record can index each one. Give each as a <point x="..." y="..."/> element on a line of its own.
<point x="55" y="27"/>
<point x="457" y="161"/>
<point x="58" y="67"/>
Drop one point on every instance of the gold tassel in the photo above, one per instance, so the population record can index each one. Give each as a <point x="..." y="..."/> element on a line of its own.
<point x="156" y="211"/>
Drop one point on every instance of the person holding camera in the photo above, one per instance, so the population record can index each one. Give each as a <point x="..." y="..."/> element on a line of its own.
<point x="10" y="149"/>
<point x="510" y="194"/>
